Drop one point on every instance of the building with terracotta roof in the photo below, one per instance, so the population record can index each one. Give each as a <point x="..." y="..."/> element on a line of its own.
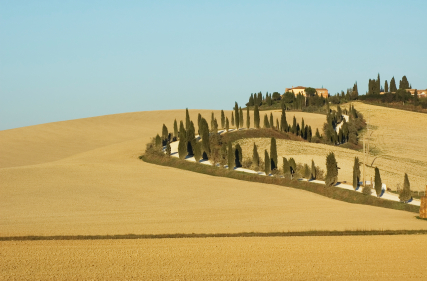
<point x="301" y="90"/>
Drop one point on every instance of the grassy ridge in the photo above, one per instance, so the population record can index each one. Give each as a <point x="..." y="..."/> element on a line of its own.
<point x="217" y="235"/>
<point x="330" y="192"/>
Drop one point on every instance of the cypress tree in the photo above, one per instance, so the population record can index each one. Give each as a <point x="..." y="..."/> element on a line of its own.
<point x="307" y="172"/>
<point x="317" y="133"/>
<point x="239" y="156"/>
<point x="165" y="133"/>
<point x="251" y="100"/>
<point x="404" y="84"/>
<point x="187" y="119"/>
<point x="199" y="118"/>
<point x="241" y="122"/>
<point x="313" y="170"/>
<point x="175" y="129"/>
<point x="267" y="163"/>
<point x="191" y="138"/>
<point x="293" y="166"/>
<point x="286" y="167"/>
<point x="294" y="126"/>
<point x="182" y="145"/>
<point x="230" y="156"/>
<point x="356" y="173"/>
<point x="273" y="154"/>
<point x="310" y="134"/>
<point x="158" y="141"/>
<point x="236" y="115"/>
<point x="271" y="120"/>
<point x="283" y="122"/>
<point x="378" y="182"/>
<point x="197" y="152"/>
<point x="212" y="120"/>
<point x="227" y="125"/>
<point x="248" y="118"/>
<point x="255" y="156"/>
<point x="405" y="195"/>
<point x="303" y="128"/>
<point x="205" y="138"/>
<point x="232" y="119"/>
<point x="256" y="117"/>
<point x="331" y="170"/>
<point x="222" y="119"/>
<point x="385" y="86"/>
<point x="393" y="87"/>
<point x="181" y="129"/>
<point x="266" y="124"/>
<point x="277" y="124"/>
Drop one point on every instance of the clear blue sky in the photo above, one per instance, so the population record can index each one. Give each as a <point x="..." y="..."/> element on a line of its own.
<point x="63" y="60"/>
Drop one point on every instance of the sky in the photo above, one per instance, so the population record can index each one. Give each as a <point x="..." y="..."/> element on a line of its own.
<point x="62" y="60"/>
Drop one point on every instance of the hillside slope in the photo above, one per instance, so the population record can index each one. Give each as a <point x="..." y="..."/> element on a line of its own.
<point x="84" y="177"/>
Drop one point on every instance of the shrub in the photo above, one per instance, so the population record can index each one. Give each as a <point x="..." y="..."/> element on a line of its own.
<point x="405" y="195"/>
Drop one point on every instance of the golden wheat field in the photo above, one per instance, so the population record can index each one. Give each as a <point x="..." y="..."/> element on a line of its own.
<point x="268" y="258"/>
<point x="83" y="177"/>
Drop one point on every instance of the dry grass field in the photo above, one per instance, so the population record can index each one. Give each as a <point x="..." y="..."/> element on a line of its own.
<point x="84" y="177"/>
<point x="53" y="184"/>
<point x="286" y="258"/>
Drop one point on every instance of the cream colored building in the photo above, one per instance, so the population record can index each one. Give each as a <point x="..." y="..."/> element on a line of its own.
<point x="301" y="90"/>
<point x="421" y="93"/>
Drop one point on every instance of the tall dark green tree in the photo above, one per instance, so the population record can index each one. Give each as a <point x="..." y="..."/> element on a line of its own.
<point x="236" y="115"/>
<point x="241" y="121"/>
<point x="197" y="151"/>
<point x="232" y="119"/>
<point x="404" y="84"/>
<point x="313" y="170"/>
<point x="238" y="155"/>
<point x="191" y="139"/>
<point x="356" y="173"/>
<point x="405" y="195"/>
<point x="182" y="145"/>
<point x="286" y="168"/>
<point x="165" y="133"/>
<point x="271" y="120"/>
<point x="199" y="118"/>
<point x="175" y="129"/>
<point x="256" y="117"/>
<point x="273" y="154"/>
<point x="227" y="125"/>
<point x="187" y="119"/>
<point x="248" y="118"/>
<point x="230" y="157"/>
<point x="266" y="124"/>
<point x="307" y="172"/>
<point x="251" y="101"/>
<point x="205" y="138"/>
<point x="283" y="122"/>
<point x="293" y="166"/>
<point x="331" y="170"/>
<point x="294" y="126"/>
<point x="222" y="119"/>
<point x="267" y="163"/>
<point x="378" y="182"/>
<point x="255" y="156"/>
<point x="158" y="141"/>
<point x="393" y="87"/>
<point x="386" y="86"/>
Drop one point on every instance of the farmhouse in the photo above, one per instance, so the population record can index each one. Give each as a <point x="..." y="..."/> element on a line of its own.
<point x="301" y="90"/>
<point x="421" y="93"/>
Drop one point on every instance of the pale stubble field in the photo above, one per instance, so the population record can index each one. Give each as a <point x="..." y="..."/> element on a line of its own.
<point x="267" y="258"/>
